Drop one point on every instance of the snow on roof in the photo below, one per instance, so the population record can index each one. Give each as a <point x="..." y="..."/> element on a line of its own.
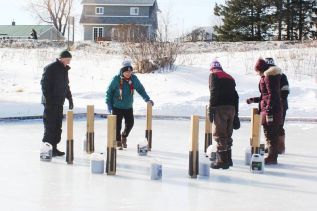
<point x="22" y="30"/>
<point x="120" y="2"/>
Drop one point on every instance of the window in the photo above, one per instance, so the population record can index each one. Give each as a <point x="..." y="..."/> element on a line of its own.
<point x="97" y="32"/>
<point x="99" y="10"/>
<point x="134" y="10"/>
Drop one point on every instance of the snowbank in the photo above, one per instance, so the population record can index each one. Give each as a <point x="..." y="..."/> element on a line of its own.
<point x="181" y="92"/>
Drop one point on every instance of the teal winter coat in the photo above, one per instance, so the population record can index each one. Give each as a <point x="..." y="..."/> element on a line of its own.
<point x="113" y="92"/>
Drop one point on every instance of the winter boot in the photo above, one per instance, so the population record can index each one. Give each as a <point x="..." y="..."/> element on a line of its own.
<point x="124" y="142"/>
<point x="230" y="157"/>
<point x="56" y="152"/>
<point x="271" y="159"/>
<point x="221" y="161"/>
<point x="281" y="144"/>
<point x="119" y="145"/>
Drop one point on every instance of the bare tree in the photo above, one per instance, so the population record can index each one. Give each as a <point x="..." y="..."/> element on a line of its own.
<point x="151" y="53"/>
<point x="54" y="12"/>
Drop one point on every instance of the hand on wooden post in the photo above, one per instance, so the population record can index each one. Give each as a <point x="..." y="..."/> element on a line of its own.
<point x="71" y="104"/>
<point x="151" y="102"/>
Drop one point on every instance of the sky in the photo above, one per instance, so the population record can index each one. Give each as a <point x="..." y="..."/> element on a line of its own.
<point x="185" y="15"/>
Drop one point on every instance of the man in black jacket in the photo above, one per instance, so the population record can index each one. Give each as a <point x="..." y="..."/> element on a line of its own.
<point x="55" y="88"/>
<point x="223" y="108"/>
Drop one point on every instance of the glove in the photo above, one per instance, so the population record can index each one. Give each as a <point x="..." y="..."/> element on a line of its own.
<point x="269" y="119"/>
<point x="151" y="101"/>
<point x="250" y="100"/>
<point x="71" y="104"/>
<point x="109" y="108"/>
<point x="236" y="122"/>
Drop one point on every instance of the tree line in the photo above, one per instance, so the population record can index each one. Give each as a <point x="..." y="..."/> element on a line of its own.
<point x="259" y="20"/>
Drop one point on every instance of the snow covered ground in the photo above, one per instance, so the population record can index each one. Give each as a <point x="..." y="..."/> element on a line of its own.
<point x="181" y="92"/>
<point x="29" y="184"/>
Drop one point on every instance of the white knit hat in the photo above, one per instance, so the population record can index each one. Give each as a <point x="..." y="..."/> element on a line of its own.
<point x="126" y="63"/>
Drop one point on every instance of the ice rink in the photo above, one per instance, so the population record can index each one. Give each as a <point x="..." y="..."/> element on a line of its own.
<point x="29" y="184"/>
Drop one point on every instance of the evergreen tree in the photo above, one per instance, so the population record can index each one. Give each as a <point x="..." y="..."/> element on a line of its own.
<point x="255" y="20"/>
<point x="245" y="20"/>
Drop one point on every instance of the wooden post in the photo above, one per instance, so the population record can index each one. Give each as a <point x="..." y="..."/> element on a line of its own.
<point x="148" y="131"/>
<point x="70" y="140"/>
<point x="208" y="133"/>
<point x="193" y="148"/>
<point x="111" y="145"/>
<point x="255" y="131"/>
<point x="90" y="135"/>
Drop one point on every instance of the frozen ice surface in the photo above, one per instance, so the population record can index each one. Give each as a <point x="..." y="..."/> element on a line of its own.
<point x="29" y="184"/>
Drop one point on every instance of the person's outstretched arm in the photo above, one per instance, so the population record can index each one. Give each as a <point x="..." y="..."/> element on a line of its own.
<point x="140" y="89"/>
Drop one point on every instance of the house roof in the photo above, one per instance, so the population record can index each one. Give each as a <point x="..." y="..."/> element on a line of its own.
<point x="120" y="2"/>
<point x="115" y="21"/>
<point x="207" y="29"/>
<point x="22" y="30"/>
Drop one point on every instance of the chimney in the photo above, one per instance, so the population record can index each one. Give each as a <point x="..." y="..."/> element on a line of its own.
<point x="13" y="23"/>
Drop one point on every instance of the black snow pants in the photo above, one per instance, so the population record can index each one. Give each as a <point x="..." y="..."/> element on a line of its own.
<point x="52" y="119"/>
<point x="128" y="116"/>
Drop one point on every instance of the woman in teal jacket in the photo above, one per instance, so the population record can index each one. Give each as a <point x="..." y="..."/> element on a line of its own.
<point x="119" y="99"/>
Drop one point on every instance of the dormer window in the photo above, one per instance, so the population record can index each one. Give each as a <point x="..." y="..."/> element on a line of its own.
<point x="99" y="10"/>
<point x="134" y="10"/>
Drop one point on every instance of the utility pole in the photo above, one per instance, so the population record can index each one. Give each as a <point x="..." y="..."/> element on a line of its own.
<point x="71" y="22"/>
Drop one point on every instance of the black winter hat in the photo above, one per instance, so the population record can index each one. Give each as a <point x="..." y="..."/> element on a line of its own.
<point x="270" y="61"/>
<point x="65" y="54"/>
